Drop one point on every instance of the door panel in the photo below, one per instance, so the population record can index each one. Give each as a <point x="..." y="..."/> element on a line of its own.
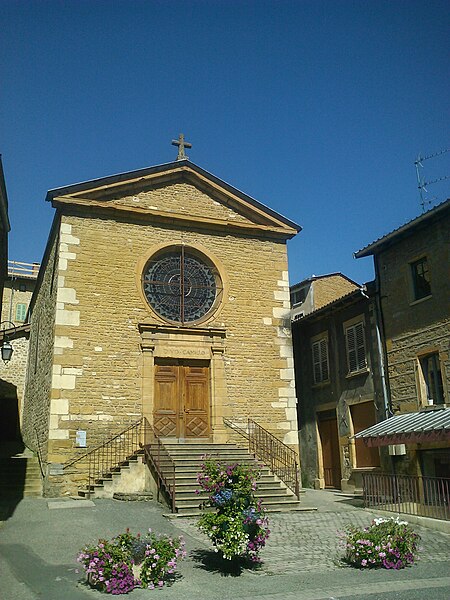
<point x="165" y="418"/>
<point x="196" y="401"/>
<point x="330" y="452"/>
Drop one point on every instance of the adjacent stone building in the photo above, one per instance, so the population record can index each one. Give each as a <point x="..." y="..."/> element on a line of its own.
<point x="317" y="291"/>
<point x="163" y="293"/>
<point x="412" y="275"/>
<point x="337" y="362"/>
<point x="18" y="289"/>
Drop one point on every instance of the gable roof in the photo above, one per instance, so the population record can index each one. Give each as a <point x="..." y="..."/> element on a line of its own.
<point x="326" y="276"/>
<point x="183" y="169"/>
<point x="331" y="307"/>
<point x="405" y="230"/>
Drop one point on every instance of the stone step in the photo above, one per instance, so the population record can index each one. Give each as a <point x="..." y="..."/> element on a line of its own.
<point x="275" y="496"/>
<point x="20" y="476"/>
<point x="185" y="475"/>
<point x="193" y="510"/>
<point x="193" y="469"/>
<point x="231" y="455"/>
<point x="184" y="486"/>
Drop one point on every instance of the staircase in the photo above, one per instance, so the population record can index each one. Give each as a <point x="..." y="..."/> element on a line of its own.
<point x="187" y="458"/>
<point x="125" y="477"/>
<point x="122" y="464"/>
<point x="20" y="476"/>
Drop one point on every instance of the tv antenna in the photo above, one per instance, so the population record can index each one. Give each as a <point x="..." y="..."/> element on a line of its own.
<point x="421" y="183"/>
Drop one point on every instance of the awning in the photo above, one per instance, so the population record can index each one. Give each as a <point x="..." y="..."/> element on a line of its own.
<point x="409" y="428"/>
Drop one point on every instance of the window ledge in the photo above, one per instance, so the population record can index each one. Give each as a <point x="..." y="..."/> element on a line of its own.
<point x="419" y="300"/>
<point x="321" y="384"/>
<point x="364" y="371"/>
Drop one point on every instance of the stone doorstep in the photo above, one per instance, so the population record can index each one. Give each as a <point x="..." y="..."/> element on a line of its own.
<point x="133" y="497"/>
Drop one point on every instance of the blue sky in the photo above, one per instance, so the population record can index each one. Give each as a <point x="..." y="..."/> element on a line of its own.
<point x="317" y="108"/>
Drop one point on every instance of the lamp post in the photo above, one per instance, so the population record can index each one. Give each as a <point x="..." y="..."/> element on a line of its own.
<point x="6" y="346"/>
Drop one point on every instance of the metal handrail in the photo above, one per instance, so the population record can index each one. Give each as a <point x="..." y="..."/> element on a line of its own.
<point x="112" y="454"/>
<point x="421" y="496"/>
<point x="85" y="455"/>
<point x="18" y="269"/>
<point x="267" y="448"/>
<point x="107" y="457"/>
<point x="233" y="425"/>
<point x="281" y="459"/>
<point x="161" y="463"/>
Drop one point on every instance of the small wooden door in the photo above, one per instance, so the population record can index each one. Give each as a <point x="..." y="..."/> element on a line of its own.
<point x="181" y="399"/>
<point x="363" y="416"/>
<point x="328" y="432"/>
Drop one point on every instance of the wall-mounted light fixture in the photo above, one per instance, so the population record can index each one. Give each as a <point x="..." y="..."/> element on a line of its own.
<point x="7" y="329"/>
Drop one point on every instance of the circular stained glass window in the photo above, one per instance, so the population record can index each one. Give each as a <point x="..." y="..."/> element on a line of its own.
<point x="180" y="286"/>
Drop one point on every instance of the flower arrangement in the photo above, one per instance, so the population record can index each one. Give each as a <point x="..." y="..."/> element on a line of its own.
<point x="238" y="527"/>
<point x="389" y="543"/>
<point x="129" y="561"/>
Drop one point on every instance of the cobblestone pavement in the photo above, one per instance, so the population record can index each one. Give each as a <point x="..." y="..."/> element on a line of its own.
<point x="38" y="547"/>
<point x="309" y="541"/>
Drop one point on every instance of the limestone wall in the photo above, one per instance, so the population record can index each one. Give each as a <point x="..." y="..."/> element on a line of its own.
<point x="97" y="356"/>
<point x="37" y="397"/>
<point x="12" y="374"/>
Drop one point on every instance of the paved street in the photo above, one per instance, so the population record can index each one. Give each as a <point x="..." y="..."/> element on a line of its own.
<point x="301" y="562"/>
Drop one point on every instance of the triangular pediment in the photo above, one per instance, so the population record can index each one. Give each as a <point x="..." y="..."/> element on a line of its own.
<point x="179" y="190"/>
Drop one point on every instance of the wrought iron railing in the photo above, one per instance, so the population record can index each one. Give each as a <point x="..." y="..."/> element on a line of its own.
<point x="22" y="269"/>
<point x="109" y="456"/>
<point x="162" y="466"/>
<point x="422" y="496"/>
<point x="281" y="459"/>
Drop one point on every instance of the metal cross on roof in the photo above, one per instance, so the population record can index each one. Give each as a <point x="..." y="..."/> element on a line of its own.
<point x="181" y="146"/>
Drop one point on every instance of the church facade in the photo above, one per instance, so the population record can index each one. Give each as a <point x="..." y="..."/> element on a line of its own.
<point x="163" y="293"/>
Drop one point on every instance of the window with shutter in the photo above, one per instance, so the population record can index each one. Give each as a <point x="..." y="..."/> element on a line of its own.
<point x="320" y="360"/>
<point x="356" y="348"/>
<point x="21" y="312"/>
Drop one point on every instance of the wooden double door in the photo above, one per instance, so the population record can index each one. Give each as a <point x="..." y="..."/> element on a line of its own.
<point x="182" y="399"/>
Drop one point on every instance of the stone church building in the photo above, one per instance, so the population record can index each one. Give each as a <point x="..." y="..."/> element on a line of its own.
<point x="164" y="294"/>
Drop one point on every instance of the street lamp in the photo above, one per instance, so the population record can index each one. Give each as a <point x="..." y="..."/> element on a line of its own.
<point x="6" y="347"/>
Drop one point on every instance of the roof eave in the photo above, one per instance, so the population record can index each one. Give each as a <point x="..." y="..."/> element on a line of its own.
<point x="123" y="177"/>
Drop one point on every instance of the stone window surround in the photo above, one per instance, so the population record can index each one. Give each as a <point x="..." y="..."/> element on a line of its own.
<point x="143" y="260"/>
<point x="422" y="395"/>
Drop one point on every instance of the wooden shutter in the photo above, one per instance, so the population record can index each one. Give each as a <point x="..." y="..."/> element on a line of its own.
<point x="324" y="359"/>
<point x="316" y="361"/>
<point x="356" y="349"/>
<point x="320" y="360"/>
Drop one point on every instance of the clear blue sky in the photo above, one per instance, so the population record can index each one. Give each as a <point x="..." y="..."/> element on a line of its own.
<point x="315" y="108"/>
